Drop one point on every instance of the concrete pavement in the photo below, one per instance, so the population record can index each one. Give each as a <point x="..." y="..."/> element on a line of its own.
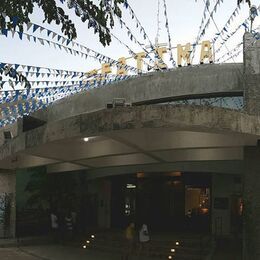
<point x="56" y="252"/>
<point x="14" y="254"/>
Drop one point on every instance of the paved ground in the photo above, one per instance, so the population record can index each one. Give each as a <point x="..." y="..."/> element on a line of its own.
<point x="55" y="253"/>
<point x="14" y="254"/>
<point x="228" y="250"/>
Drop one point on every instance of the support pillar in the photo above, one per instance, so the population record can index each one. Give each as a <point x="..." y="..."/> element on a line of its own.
<point x="251" y="212"/>
<point x="252" y="74"/>
<point x="251" y="228"/>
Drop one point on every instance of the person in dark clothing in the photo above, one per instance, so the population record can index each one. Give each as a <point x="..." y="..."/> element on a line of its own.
<point x="69" y="225"/>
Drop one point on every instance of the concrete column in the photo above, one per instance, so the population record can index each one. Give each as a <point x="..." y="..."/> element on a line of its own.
<point x="252" y="74"/>
<point x="8" y="205"/>
<point x="251" y="233"/>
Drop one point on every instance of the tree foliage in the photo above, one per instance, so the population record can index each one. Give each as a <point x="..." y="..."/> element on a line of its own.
<point x="15" y="13"/>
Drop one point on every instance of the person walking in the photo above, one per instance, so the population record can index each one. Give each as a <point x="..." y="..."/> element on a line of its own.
<point x="130" y="237"/>
<point x="69" y="226"/>
<point x="144" y="239"/>
<point x="54" y="226"/>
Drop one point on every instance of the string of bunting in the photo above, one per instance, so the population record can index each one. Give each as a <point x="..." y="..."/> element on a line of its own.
<point x="142" y="30"/>
<point x="97" y="56"/>
<point x="237" y="47"/>
<point x="216" y="26"/>
<point x="245" y="25"/>
<point x="34" y="83"/>
<point x="158" y="21"/>
<point x="39" y="98"/>
<point x="95" y="24"/>
<point x="218" y="2"/>
<point x="133" y="38"/>
<point x="47" y="98"/>
<point x="231" y="54"/>
<point x="227" y="24"/>
<point x="203" y="31"/>
<point x="36" y="69"/>
<point x="37" y="83"/>
<point x="169" y="35"/>
<point x="63" y="40"/>
<point x="42" y="74"/>
<point x="138" y="23"/>
<point x="207" y="4"/>
<point x="13" y="95"/>
<point x="26" y="106"/>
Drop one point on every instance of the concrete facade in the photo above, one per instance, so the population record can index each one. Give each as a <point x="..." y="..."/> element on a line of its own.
<point x="147" y="137"/>
<point x="196" y="81"/>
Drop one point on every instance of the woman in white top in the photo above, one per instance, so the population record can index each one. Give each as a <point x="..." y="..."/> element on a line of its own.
<point x="144" y="234"/>
<point x="144" y="237"/>
<point x="54" y="222"/>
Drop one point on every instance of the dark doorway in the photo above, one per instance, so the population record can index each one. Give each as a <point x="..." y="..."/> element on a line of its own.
<point x="162" y="200"/>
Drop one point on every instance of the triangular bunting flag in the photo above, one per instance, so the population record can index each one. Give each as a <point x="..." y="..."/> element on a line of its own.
<point x="29" y="25"/>
<point x="54" y="35"/>
<point x="41" y="28"/>
<point x="63" y="40"/>
<point x="35" y="27"/>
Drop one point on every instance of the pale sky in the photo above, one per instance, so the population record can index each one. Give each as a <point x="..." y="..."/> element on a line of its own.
<point x="184" y="21"/>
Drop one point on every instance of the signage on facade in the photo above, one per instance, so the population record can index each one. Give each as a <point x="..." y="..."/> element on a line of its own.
<point x="183" y="57"/>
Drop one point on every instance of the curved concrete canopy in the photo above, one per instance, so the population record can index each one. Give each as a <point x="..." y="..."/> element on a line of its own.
<point x="149" y="136"/>
<point x="153" y="136"/>
<point x="194" y="81"/>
